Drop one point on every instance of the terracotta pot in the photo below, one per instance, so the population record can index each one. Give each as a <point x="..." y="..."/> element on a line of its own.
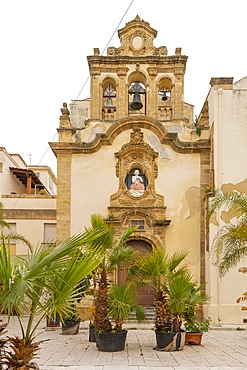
<point x="193" y="338"/>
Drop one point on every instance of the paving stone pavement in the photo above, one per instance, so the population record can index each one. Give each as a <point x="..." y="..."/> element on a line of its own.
<point x="222" y="348"/>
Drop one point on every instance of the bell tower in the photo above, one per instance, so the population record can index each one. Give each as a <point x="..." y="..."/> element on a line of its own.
<point x="138" y="79"/>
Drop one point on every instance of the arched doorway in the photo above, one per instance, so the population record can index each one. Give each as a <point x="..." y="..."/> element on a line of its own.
<point x="146" y="294"/>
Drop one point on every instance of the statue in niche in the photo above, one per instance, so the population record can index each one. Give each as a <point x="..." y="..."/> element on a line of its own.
<point x="136" y="183"/>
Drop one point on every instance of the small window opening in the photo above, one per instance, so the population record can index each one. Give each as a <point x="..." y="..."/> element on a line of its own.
<point x="139" y="223"/>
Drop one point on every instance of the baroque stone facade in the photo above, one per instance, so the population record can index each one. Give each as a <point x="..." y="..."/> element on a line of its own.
<point x="132" y="151"/>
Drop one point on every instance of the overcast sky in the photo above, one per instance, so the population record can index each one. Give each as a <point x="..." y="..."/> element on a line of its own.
<point x="45" y="44"/>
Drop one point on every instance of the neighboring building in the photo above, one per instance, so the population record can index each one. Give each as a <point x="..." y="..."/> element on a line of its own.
<point x="225" y="112"/>
<point x="133" y="153"/>
<point x="28" y="195"/>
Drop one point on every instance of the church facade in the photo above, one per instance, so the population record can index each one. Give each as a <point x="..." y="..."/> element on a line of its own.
<point x="133" y="153"/>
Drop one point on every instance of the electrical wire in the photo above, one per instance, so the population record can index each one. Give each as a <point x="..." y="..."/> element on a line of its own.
<point x="118" y="26"/>
<point x="126" y="11"/>
<point x="107" y="45"/>
<point x="85" y="82"/>
<point x="46" y="150"/>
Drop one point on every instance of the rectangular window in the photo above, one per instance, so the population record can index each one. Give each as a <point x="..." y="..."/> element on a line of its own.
<point x="139" y="223"/>
<point x="49" y="233"/>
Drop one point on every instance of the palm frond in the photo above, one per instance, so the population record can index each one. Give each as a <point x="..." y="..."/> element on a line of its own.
<point x="234" y="202"/>
<point x="175" y="260"/>
<point x="3" y="223"/>
<point x="106" y="239"/>
<point x="126" y="235"/>
<point x="120" y="254"/>
<point x="122" y="302"/>
<point x="19" y="237"/>
<point x="153" y="265"/>
<point x="230" y="243"/>
<point x="59" y="270"/>
<point x="229" y="246"/>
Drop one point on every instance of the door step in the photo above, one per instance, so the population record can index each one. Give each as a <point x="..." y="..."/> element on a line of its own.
<point x="150" y="315"/>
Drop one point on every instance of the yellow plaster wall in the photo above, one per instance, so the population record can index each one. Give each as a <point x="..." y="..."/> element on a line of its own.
<point x="94" y="180"/>
<point x="179" y="182"/>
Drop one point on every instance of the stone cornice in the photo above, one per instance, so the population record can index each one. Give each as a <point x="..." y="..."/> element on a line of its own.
<point x="128" y="123"/>
<point x="125" y="60"/>
<point x="31" y="214"/>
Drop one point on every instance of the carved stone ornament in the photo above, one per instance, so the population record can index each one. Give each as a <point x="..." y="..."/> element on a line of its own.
<point x="137" y="38"/>
<point x="163" y="50"/>
<point x="137" y="159"/>
<point x="137" y="214"/>
<point x="65" y="112"/>
<point x="111" y="51"/>
<point x="137" y="170"/>
<point x="64" y="118"/>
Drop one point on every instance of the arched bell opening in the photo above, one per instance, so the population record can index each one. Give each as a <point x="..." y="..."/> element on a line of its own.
<point x="109" y="99"/>
<point x="137" y="94"/>
<point x="164" y="88"/>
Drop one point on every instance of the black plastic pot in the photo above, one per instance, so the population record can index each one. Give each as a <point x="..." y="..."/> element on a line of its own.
<point x="169" y="341"/>
<point x="111" y="342"/>
<point x="70" y="327"/>
<point x="92" y="334"/>
<point x="53" y="323"/>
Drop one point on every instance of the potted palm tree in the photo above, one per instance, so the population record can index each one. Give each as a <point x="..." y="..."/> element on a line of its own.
<point x="115" y="252"/>
<point x="71" y="321"/>
<point x="122" y="302"/>
<point x="24" y="281"/>
<point x="71" y="324"/>
<point x="170" y="277"/>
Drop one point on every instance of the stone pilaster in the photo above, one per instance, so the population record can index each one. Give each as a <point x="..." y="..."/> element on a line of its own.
<point x="122" y="94"/>
<point x="63" y="195"/>
<point x="205" y="180"/>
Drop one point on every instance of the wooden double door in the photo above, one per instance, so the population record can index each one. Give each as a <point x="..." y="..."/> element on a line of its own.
<point x="146" y="294"/>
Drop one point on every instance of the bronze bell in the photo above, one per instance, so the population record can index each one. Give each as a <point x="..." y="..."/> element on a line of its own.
<point x="136" y="103"/>
<point x="164" y="97"/>
<point x="109" y="102"/>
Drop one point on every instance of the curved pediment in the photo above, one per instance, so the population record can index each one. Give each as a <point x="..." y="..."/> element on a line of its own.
<point x="136" y="38"/>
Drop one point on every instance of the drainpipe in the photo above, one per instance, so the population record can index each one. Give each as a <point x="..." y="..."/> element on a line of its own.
<point x="218" y="186"/>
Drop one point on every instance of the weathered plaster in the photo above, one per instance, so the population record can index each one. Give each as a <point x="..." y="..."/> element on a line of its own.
<point x="240" y="186"/>
<point x="192" y="197"/>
